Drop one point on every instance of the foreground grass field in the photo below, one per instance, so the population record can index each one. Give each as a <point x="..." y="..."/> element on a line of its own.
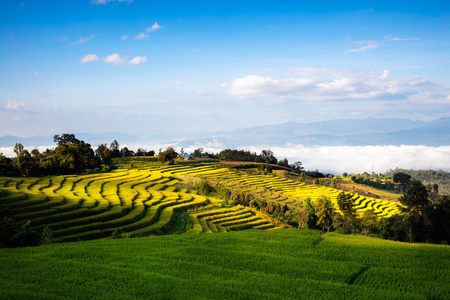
<point x="278" y="264"/>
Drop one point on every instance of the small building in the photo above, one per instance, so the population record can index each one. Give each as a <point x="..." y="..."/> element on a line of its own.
<point x="188" y="157"/>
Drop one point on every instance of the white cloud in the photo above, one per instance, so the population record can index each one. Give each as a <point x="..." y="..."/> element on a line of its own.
<point x="83" y="40"/>
<point x="350" y="159"/>
<point x="107" y="1"/>
<point x="367" y="45"/>
<point x="115" y="59"/>
<point x="154" y="27"/>
<point x="360" y="159"/>
<point x="178" y="82"/>
<point x="89" y="58"/>
<point x="124" y="37"/>
<point x="137" y="60"/>
<point x="64" y="38"/>
<point x="405" y="39"/>
<point x="141" y="36"/>
<point x="14" y="105"/>
<point x="312" y="84"/>
<point x="34" y="74"/>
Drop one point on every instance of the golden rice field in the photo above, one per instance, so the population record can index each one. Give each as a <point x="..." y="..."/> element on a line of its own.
<point x="297" y="191"/>
<point x="144" y="201"/>
<point x="138" y="202"/>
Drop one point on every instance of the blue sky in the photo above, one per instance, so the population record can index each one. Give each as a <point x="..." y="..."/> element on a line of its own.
<point x="192" y="68"/>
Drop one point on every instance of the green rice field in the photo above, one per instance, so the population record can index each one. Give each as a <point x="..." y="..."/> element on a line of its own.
<point x="250" y="264"/>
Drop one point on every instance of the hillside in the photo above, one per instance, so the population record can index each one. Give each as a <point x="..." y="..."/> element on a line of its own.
<point x="439" y="177"/>
<point x="146" y="198"/>
<point x="280" y="264"/>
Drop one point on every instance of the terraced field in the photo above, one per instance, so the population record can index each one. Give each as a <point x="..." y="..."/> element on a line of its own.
<point x="298" y="191"/>
<point x="141" y="202"/>
<point x="138" y="202"/>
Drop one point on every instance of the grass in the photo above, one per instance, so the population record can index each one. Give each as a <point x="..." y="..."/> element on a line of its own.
<point x="277" y="264"/>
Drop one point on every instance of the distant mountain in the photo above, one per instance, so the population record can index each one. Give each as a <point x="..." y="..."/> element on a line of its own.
<point x="349" y="132"/>
<point x="346" y="132"/>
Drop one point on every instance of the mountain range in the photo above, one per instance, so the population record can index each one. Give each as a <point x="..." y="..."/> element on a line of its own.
<point x="344" y="132"/>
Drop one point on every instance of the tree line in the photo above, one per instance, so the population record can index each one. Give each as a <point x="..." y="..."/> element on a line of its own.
<point x="423" y="219"/>
<point x="70" y="156"/>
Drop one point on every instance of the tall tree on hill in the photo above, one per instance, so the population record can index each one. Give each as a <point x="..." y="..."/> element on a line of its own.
<point x="348" y="218"/>
<point x="325" y="213"/>
<point x="114" y="148"/>
<point x="18" y="148"/>
<point x="170" y="154"/>
<point x="402" y="179"/>
<point x="103" y="153"/>
<point x="415" y="201"/>
<point x="267" y="155"/>
<point x="66" y="138"/>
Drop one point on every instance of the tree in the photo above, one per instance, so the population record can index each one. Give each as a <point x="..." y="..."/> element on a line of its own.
<point x="415" y="200"/>
<point x="150" y="153"/>
<point x="125" y="152"/>
<point x="140" y="152"/>
<point x="267" y="155"/>
<point x="284" y="163"/>
<point x="348" y="218"/>
<point x="298" y="166"/>
<point x="325" y="213"/>
<point x="24" y="163"/>
<point x="168" y="155"/>
<point x="198" y="152"/>
<point x="104" y="154"/>
<point x="402" y="179"/>
<point x="18" y="148"/>
<point x="369" y="222"/>
<point x="66" y="138"/>
<point x="114" y="148"/>
<point x="6" y="167"/>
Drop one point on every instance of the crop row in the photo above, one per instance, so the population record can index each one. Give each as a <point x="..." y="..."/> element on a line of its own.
<point x="227" y="219"/>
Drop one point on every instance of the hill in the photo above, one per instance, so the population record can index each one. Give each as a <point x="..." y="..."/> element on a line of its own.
<point x="280" y="264"/>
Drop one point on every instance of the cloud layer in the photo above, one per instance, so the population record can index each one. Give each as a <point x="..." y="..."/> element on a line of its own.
<point x="319" y="84"/>
<point x="350" y="159"/>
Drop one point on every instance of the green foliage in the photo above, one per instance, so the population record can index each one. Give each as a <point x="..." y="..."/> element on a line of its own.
<point x="348" y="219"/>
<point x="402" y="179"/>
<point x="204" y="188"/>
<point x="333" y="183"/>
<point x="324" y="210"/>
<point x="13" y="234"/>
